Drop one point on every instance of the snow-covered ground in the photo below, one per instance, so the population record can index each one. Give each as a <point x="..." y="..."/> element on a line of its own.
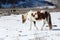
<point x="11" y="28"/>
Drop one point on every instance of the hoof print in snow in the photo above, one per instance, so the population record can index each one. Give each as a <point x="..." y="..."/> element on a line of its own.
<point x="36" y="38"/>
<point x="58" y="18"/>
<point x="19" y="34"/>
<point x="31" y="39"/>
<point x="24" y="35"/>
<point x="20" y="31"/>
<point x="6" y="35"/>
<point x="18" y="20"/>
<point x="6" y="29"/>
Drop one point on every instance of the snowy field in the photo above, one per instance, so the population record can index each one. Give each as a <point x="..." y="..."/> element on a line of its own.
<point x="11" y="28"/>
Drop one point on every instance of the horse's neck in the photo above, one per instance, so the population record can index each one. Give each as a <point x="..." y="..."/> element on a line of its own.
<point x="29" y="16"/>
<point x="29" y="13"/>
<point x="25" y="14"/>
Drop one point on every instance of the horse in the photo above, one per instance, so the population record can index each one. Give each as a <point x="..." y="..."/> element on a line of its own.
<point x="34" y="16"/>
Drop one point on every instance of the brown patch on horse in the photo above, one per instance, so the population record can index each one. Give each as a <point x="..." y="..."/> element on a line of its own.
<point x="33" y="15"/>
<point x="40" y="15"/>
<point x="23" y="20"/>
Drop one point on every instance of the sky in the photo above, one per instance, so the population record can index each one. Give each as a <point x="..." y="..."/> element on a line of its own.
<point x="21" y="3"/>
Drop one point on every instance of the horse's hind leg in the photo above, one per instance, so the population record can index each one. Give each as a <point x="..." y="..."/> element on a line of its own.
<point x="49" y="22"/>
<point x="35" y="24"/>
<point x="50" y="25"/>
<point x="43" y="25"/>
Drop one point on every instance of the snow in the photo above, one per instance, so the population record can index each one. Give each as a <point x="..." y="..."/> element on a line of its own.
<point x="11" y="28"/>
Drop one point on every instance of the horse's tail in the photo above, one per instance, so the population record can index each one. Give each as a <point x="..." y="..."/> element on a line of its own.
<point x="48" y="18"/>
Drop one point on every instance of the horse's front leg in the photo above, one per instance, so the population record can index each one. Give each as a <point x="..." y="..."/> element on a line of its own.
<point x="35" y="24"/>
<point x="30" y="25"/>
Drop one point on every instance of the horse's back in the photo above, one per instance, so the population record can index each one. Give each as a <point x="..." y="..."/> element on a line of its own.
<point x="40" y="16"/>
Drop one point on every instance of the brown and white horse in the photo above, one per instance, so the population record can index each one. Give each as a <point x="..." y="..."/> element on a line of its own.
<point x="33" y="16"/>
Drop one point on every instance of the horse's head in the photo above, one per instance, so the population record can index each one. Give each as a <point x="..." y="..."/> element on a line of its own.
<point x="24" y="18"/>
